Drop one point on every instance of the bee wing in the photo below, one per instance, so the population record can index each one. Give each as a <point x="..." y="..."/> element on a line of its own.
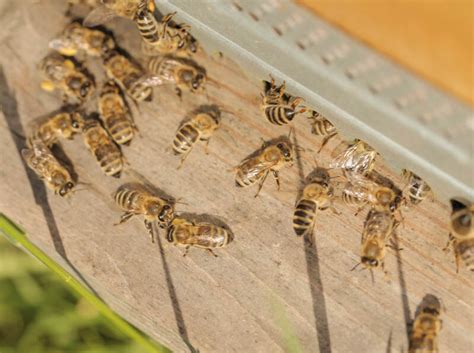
<point x="98" y="16"/>
<point x="27" y="154"/>
<point x="342" y="155"/>
<point x="256" y="166"/>
<point x="63" y="45"/>
<point x="155" y="80"/>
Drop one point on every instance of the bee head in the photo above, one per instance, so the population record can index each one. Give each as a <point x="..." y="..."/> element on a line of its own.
<point x="386" y="197"/>
<point x="285" y="150"/>
<point x="197" y="81"/>
<point x="166" y="214"/>
<point x="369" y="262"/>
<point x="86" y="87"/>
<point x="76" y="121"/>
<point x="461" y="219"/>
<point x="66" y="188"/>
<point x="170" y="234"/>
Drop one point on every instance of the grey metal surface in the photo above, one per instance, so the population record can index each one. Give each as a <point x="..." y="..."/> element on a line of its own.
<point x="412" y="124"/>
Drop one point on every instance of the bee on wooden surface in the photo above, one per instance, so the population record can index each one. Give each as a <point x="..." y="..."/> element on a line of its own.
<point x="317" y="195"/>
<point x="321" y="126"/>
<point x="461" y="236"/>
<point x="47" y="167"/>
<point x="115" y="115"/>
<point x="270" y="158"/>
<point x="103" y="148"/>
<point x="183" y="232"/>
<point x="278" y="107"/>
<point x="63" y="74"/>
<point x="163" y="38"/>
<point x="379" y="227"/>
<point x="75" y="38"/>
<point x="418" y="189"/>
<point x="136" y="200"/>
<point x="426" y="327"/>
<point x="117" y="8"/>
<point x="357" y="157"/>
<point x="200" y="127"/>
<point x="128" y="75"/>
<point x="185" y="73"/>
<point x="63" y="124"/>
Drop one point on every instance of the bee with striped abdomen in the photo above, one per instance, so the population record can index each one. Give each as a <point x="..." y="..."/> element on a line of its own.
<point x="63" y="124"/>
<point x="115" y="115"/>
<point x="317" y="195"/>
<point x="185" y="73"/>
<point x="64" y="75"/>
<point x="135" y="199"/>
<point x="356" y="157"/>
<point x="47" y="167"/>
<point x="78" y="39"/>
<point x="183" y="232"/>
<point x="321" y="126"/>
<point x="426" y="326"/>
<point x="270" y="158"/>
<point x="418" y="189"/>
<point x="461" y="237"/>
<point x="278" y="107"/>
<point x="117" y="8"/>
<point x="103" y="148"/>
<point x="200" y="127"/>
<point x="128" y="75"/>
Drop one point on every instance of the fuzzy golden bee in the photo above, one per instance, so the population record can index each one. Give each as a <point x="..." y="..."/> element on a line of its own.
<point x="200" y="127"/>
<point x="357" y="157"/>
<point x="109" y="9"/>
<point x="185" y="73"/>
<point x="317" y="195"/>
<point x="115" y="115"/>
<point x="426" y="326"/>
<point x="321" y="126"/>
<point x="60" y="125"/>
<point x="461" y="236"/>
<point x="183" y="232"/>
<point x="47" y="167"/>
<point x="135" y="199"/>
<point x="77" y="39"/>
<point x="100" y="144"/>
<point x="128" y="75"/>
<point x="278" y="107"/>
<point x="270" y="158"/>
<point x="64" y="75"/>
<point x="418" y="189"/>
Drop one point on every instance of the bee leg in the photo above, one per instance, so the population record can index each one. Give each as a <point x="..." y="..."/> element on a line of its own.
<point x="212" y="252"/>
<point x="206" y="147"/>
<point x="183" y="158"/>
<point x="325" y="140"/>
<point x="335" y="210"/>
<point x="179" y="93"/>
<point x="449" y="244"/>
<point x="149" y="228"/>
<point x="277" y="178"/>
<point x="260" y="184"/>
<point x="457" y="257"/>
<point x="125" y="217"/>
<point x="186" y="251"/>
<point x="360" y="209"/>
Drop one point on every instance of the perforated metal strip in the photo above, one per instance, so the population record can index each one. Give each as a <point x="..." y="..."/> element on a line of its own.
<point x="411" y="123"/>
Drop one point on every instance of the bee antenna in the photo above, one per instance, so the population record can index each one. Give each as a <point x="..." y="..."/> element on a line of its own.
<point x="355" y="266"/>
<point x="292" y="130"/>
<point x="213" y="82"/>
<point x="372" y="276"/>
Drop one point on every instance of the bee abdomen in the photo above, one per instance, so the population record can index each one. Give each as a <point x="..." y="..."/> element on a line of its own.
<point x="147" y="27"/>
<point x="185" y="138"/>
<point x="350" y="200"/>
<point x="140" y="92"/>
<point x="110" y="160"/>
<point x="279" y="115"/>
<point x="120" y="129"/>
<point x="466" y="252"/>
<point x="125" y="198"/>
<point x="323" y="128"/>
<point x="418" y="193"/>
<point x="242" y="179"/>
<point x="303" y="218"/>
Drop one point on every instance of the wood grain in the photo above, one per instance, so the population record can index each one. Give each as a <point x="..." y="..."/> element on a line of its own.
<point x="229" y="303"/>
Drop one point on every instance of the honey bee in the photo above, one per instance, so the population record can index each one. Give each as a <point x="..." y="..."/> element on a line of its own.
<point x="270" y="158"/>
<point x="183" y="232"/>
<point x="162" y="38"/>
<point x="185" y="73"/>
<point x="117" y="8"/>
<point x="75" y="38"/>
<point x="379" y="227"/>
<point x="357" y="157"/>
<point x="63" y="124"/>
<point x="278" y="107"/>
<point x="47" y="167"/>
<point x="317" y="195"/>
<point x="200" y="127"/>
<point x="138" y="200"/>
<point x="115" y="114"/>
<point x="64" y="75"/>
<point x="103" y="148"/>
<point x="461" y="237"/>
<point x="321" y="126"/>
<point x="418" y="189"/>
<point x="426" y="327"/>
<point x="361" y="191"/>
<point x="128" y="75"/>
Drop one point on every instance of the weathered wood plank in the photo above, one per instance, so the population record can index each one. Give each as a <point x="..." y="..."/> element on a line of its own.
<point x="225" y="304"/>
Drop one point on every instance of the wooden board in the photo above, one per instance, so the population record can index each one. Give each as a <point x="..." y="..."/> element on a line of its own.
<point x="231" y="303"/>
